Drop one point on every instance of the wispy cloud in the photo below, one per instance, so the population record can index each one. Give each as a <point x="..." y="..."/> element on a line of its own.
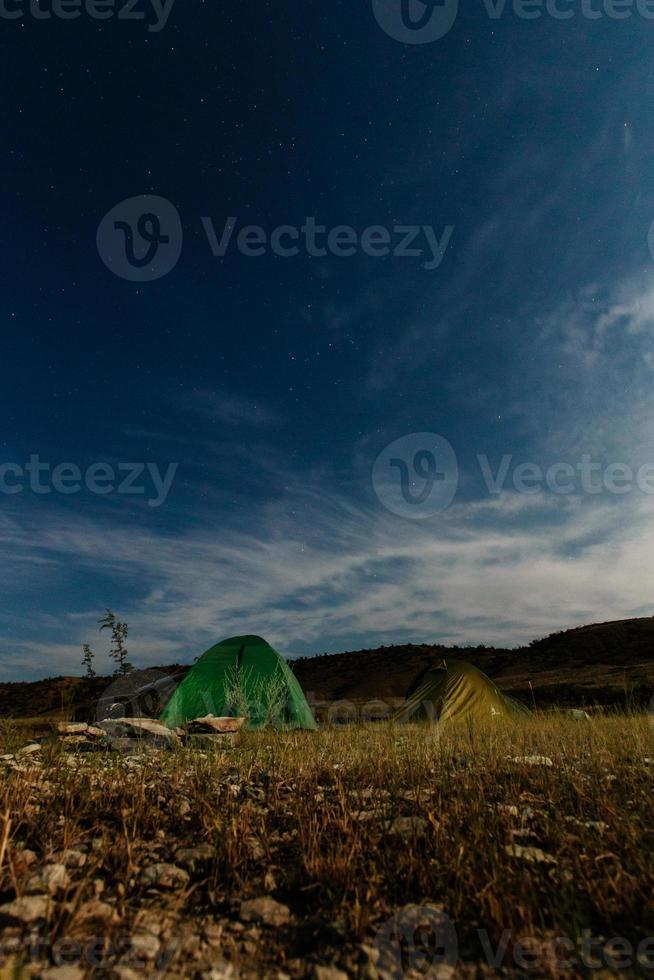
<point x="314" y="572"/>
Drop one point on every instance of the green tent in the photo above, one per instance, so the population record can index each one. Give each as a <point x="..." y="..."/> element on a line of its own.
<point x="241" y="677"/>
<point x="456" y="690"/>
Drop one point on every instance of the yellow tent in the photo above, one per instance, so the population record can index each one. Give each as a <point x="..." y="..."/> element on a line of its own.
<point x="456" y="690"/>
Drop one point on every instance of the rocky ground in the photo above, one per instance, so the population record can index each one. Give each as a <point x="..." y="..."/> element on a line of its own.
<point x="367" y="852"/>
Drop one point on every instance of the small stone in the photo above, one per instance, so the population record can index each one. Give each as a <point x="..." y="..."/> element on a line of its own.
<point x="365" y="816"/>
<point x="151" y="922"/>
<point x="165" y="876"/>
<point x="534" y="855"/>
<point x="255" y="849"/>
<point x="72" y="727"/>
<point x="144" y="945"/>
<point x="328" y="973"/>
<point x="369" y="954"/>
<point x="30" y="908"/>
<point x="193" y="858"/>
<point x="265" y="910"/>
<point x="213" y="934"/>
<point x="408" y="827"/>
<point x="223" y="971"/>
<point x="73" y="859"/>
<point x="29" y="749"/>
<point x="97" y="911"/>
<point x="51" y="878"/>
<point x="534" y="760"/>
<point x="25" y="856"/>
<point x="509" y="808"/>
<point x="62" y="973"/>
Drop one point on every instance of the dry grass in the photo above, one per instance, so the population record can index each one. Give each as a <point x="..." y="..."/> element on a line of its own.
<point x="310" y="818"/>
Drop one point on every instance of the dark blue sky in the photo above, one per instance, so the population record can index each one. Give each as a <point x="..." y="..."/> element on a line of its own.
<point x="274" y="383"/>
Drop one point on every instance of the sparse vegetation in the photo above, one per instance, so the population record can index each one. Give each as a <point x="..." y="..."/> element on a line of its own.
<point x="243" y="689"/>
<point x="342" y="827"/>
<point x="118" y="651"/>
<point x="87" y="660"/>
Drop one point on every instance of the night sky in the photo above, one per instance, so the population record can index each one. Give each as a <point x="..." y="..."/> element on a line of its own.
<point x="275" y="382"/>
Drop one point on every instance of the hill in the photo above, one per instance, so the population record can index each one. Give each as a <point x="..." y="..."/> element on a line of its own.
<point x="603" y="663"/>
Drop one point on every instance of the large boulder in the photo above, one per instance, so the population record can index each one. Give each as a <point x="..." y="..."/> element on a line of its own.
<point x="140" y="731"/>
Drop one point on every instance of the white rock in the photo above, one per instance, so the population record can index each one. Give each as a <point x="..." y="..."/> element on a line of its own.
<point x="533" y="855"/>
<point x="51" y="878"/>
<point x="62" y="973"/>
<point x="144" y="945"/>
<point x="223" y="972"/>
<point x="328" y="973"/>
<point x="30" y="908"/>
<point x="265" y="910"/>
<point x="139" y="728"/>
<point x="73" y="859"/>
<point x="97" y="911"/>
<point x="165" y="876"/>
<point x="534" y="760"/>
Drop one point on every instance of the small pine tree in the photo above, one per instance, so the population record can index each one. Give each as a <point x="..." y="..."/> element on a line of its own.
<point x="87" y="660"/>
<point x="118" y="651"/>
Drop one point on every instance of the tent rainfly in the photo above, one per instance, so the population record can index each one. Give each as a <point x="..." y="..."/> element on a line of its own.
<point x="241" y="677"/>
<point x="454" y="691"/>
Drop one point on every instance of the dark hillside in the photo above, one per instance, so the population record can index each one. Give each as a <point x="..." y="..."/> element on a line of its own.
<point x="604" y="663"/>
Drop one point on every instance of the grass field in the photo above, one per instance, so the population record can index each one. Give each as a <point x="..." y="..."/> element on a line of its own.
<point x="518" y="865"/>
